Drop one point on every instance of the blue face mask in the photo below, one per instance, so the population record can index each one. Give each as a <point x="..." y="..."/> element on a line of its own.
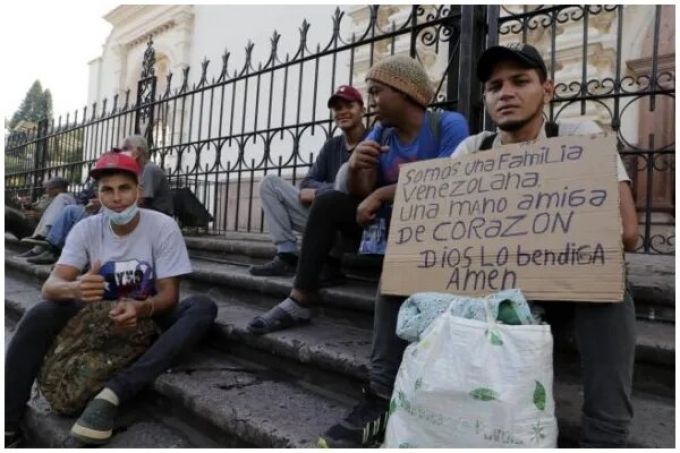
<point x="121" y="218"/>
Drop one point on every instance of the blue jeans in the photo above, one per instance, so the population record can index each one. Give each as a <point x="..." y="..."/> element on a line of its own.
<point x="183" y="327"/>
<point x="69" y="216"/>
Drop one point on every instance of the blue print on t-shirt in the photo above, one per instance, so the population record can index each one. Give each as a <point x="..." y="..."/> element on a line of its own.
<point x="130" y="279"/>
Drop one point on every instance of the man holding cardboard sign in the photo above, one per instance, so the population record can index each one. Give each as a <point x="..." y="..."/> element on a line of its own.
<point x="550" y="217"/>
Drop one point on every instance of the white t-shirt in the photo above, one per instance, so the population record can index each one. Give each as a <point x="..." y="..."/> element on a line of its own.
<point x="473" y="142"/>
<point x="131" y="264"/>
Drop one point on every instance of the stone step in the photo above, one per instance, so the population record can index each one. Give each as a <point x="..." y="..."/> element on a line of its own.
<point x="339" y="348"/>
<point x="269" y="410"/>
<point x="653" y="423"/>
<point x="256" y="251"/>
<point x="242" y="296"/>
<point x="137" y="425"/>
<point x="356" y="296"/>
<point x="242" y="404"/>
<point x="651" y="277"/>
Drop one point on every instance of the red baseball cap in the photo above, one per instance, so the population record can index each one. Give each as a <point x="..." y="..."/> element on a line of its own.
<point x="114" y="160"/>
<point x="346" y="93"/>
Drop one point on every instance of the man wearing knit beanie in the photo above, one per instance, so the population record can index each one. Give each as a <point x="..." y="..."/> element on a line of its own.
<point x="404" y="74"/>
<point x="400" y="91"/>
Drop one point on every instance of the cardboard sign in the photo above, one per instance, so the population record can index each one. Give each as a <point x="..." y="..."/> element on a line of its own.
<point x="539" y="216"/>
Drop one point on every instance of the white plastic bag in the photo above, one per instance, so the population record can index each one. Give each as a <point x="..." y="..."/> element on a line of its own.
<point x="469" y="383"/>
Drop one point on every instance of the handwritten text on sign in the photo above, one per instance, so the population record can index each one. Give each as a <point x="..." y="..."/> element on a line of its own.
<point x="540" y="216"/>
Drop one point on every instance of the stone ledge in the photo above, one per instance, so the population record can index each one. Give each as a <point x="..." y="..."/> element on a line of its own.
<point x="250" y="415"/>
<point x="651" y="277"/>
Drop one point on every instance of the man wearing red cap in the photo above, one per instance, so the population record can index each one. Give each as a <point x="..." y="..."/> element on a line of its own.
<point x="156" y="195"/>
<point x="286" y="208"/>
<point x="135" y="258"/>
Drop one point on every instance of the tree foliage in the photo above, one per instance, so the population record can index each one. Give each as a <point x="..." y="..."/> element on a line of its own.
<point x="37" y="105"/>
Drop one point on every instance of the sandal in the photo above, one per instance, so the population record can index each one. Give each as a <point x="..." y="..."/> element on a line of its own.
<point x="275" y="319"/>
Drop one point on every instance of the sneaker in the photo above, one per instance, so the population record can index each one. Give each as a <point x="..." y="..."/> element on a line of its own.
<point x="46" y="257"/>
<point x="331" y="276"/>
<point x="38" y="240"/>
<point x="275" y="268"/>
<point x="363" y="427"/>
<point x="35" y="251"/>
<point x="95" y="425"/>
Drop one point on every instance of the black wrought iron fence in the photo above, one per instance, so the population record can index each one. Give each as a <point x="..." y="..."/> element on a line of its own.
<point x="613" y="65"/>
<point x="219" y="131"/>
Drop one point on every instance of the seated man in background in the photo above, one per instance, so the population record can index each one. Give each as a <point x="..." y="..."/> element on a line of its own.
<point x="156" y="193"/>
<point x="286" y="208"/>
<point x="156" y="196"/>
<point x="45" y="210"/>
<point x="400" y="90"/>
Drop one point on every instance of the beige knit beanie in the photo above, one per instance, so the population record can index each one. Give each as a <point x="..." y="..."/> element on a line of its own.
<point x="403" y="74"/>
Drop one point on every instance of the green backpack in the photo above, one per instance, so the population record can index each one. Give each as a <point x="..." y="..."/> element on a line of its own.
<point x="86" y="353"/>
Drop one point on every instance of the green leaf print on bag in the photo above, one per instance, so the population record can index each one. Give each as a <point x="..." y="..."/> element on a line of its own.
<point x="494" y="338"/>
<point x="484" y="394"/>
<point x="539" y="396"/>
<point x="393" y="406"/>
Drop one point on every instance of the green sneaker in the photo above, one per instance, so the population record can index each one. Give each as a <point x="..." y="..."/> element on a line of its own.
<point x="95" y="425"/>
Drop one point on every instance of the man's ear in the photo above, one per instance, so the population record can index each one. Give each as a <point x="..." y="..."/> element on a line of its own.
<point x="140" y="191"/>
<point x="548" y="90"/>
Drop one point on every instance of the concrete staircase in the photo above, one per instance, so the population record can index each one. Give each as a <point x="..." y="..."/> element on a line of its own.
<point x="286" y="388"/>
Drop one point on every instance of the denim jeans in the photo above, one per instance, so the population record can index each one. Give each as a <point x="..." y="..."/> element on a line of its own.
<point x="69" y="216"/>
<point x="51" y="212"/>
<point x="183" y="328"/>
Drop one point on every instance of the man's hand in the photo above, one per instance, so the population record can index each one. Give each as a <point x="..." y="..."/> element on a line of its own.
<point x="124" y="313"/>
<point x="365" y="155"/>
<point x="368" y="208"/>
<point x="90" y="285"/>
<point x="307" y="196"/>
<point x="32" y="214"/>
<point x="92" y="207"/>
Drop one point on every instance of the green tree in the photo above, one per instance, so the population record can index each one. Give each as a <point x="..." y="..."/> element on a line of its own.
<point x="37" y="105"/>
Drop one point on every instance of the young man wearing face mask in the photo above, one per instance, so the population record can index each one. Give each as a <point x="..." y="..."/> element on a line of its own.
<point x="122" y="240"/>
<point x="156" y="195"/>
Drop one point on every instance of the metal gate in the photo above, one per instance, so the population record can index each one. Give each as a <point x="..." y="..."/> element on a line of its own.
<point x="220" y="131"/>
